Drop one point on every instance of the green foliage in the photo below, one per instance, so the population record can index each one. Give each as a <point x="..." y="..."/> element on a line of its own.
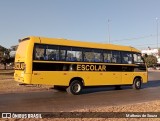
<point x="150" y="60"/>
<point x="6" y="59"/>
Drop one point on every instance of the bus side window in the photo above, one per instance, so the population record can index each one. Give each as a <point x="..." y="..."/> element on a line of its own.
<point x="39" y="52"/>
<point x="52" y="53"/>
<point x="98" y="57"/>
<point x="107" y="56"/>
<point x="116" y="58"/>
<point x="62" y="55"/>
<point x="89" y="56"/>
<point x="74" y="54"/>
<point x="69" y="56"/>
<point x="126" y="58"/>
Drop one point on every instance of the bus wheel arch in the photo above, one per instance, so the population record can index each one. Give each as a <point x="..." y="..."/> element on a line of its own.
<point x="75" y="86"/>
<point x="137" y="83"/>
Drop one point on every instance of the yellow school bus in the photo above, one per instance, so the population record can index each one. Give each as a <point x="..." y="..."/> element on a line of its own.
<point x="75" y="64"/>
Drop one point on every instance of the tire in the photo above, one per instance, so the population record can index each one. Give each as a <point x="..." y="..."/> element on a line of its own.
<point x="137" y="84"/>
<point x="75" y="87"/>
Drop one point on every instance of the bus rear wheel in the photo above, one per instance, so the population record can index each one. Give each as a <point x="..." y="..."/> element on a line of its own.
<point x="137" y="83"/>
<point x="75" y="87"/>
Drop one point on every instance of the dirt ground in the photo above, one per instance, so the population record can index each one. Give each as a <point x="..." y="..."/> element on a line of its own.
<point x="8" y="85"/>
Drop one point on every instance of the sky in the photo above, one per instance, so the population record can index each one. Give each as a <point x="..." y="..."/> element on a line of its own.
<point x="123" y="22"/>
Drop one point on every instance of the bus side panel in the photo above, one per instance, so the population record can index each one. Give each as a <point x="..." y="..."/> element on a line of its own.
<point x="63" y="78"/>
<point x="52" y="77"/>
<point x="111" y="78"/>
<point x="89" y="78"/>
<point x="128" y="77"/>
<point x="100" y="78"/>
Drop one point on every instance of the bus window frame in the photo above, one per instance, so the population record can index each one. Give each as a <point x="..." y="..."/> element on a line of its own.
<point x="60" y="48"/>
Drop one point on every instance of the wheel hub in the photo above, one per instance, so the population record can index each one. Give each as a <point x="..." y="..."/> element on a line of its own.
<point x="76" y="88"/>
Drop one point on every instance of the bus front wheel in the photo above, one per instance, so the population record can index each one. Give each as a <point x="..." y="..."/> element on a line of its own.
<point x="137" y="83"/>
<point x="75" y="87"/>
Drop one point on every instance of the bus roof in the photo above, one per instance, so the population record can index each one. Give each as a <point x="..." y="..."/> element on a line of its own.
<point x="66" y="42"/>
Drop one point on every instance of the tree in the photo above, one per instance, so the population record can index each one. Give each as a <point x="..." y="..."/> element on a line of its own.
<point x="6" y="59"/>
<point x="159" y="52"/>
<point x="150" y="60"/>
